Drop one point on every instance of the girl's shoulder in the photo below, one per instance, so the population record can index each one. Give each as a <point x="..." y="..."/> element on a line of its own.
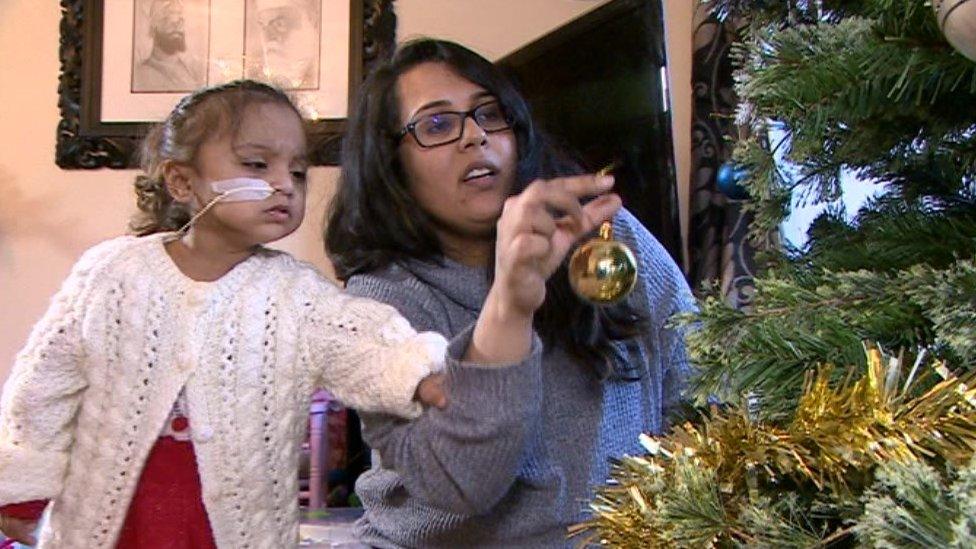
<point x="291" y="270"/>
<point x="106" y="262"/>
<point x="114" y="250"/>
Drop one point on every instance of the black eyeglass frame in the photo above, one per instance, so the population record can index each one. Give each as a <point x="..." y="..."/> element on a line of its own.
<point x="411" y="127"/>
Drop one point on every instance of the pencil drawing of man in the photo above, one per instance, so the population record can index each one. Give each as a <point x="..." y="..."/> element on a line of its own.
<point x="283" y="42"/>
<point x="167" y="67"/>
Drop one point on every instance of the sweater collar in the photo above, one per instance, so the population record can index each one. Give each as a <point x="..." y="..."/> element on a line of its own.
<point x="224" y="286"/>
<point x="467" y="286"/>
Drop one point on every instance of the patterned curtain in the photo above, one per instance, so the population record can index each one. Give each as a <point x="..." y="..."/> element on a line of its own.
<point x="719" y="249"/>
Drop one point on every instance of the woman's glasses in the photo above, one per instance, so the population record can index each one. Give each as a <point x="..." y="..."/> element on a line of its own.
<point x="441" y="128"/>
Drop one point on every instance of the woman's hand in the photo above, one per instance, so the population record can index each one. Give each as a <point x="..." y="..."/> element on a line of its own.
<point x="536" y="230"/>
<point x="19" y="530"/>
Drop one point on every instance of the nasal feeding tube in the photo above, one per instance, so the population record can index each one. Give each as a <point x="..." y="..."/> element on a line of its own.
<point x="237" y="189"/>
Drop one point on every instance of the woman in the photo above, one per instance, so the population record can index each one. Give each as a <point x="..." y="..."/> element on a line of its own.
<point x="454" y="209"/>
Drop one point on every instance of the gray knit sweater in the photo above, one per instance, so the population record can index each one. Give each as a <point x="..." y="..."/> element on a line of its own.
<point x="513" y="460"/>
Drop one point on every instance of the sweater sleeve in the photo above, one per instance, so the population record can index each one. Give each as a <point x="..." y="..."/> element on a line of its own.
<point x="366" y="354"/>
<point x="465" y="458"/>
<point x="42" y="394"/>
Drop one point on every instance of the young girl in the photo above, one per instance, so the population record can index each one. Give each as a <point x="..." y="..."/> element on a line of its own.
<point x="162" y="399"/>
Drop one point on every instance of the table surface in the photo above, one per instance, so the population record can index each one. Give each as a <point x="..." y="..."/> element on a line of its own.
<point x="327" y="528"/>
<point x="330" y="528"/>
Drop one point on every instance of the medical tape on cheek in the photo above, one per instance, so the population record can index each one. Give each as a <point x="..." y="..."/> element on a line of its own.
<point x="240" y="189"/>
<point x="237" y="189"/>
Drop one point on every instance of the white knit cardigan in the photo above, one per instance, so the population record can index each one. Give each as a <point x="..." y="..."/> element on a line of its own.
<point x="98" y="377"/>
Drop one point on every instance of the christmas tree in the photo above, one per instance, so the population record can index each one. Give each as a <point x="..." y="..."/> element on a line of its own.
<point x="839" y="409"/>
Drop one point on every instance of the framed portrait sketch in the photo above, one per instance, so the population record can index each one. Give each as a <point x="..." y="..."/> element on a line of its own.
<point x="126" y="63"/>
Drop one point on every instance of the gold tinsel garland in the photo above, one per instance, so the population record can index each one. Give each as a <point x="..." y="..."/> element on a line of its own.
<point x="724" y="462"/>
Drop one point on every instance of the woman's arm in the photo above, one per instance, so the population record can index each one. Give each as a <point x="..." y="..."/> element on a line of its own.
<point x="464" y="458"/>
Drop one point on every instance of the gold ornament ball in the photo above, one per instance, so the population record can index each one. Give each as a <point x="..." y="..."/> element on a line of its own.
<point x="957" y="21"/>
<point x="602" y="271"/>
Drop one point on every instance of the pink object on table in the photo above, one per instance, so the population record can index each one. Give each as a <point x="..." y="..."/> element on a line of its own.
<point x="318" y="448"/>
<point x="7" y="543"/>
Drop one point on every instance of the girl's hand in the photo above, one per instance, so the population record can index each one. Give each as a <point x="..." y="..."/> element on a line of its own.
<point x="19" y="530"/>
<point x="430" y="391"/>
<point x="538" y="228"/>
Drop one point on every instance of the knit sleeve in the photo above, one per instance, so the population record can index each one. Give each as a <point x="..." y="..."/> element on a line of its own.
<point x="366" y="354"/>
<point x="465" y="458"/>
<point x="42" y="394"/>
<point x="664" y="293"/>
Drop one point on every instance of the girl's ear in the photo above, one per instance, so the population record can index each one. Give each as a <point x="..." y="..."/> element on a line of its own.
<point x="177" y="179"/>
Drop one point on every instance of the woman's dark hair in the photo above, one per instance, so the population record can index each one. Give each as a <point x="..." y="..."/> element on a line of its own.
<point x="177" y="139"/>
<point x="374" y="220"/>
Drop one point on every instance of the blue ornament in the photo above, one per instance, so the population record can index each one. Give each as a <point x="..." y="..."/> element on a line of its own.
<point x="727" y="180"/>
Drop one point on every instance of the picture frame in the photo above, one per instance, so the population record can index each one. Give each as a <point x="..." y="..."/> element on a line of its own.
<point x="91" y="136"/>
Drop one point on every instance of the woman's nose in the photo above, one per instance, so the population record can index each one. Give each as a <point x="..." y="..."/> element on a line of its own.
<point x="472" y="133"/>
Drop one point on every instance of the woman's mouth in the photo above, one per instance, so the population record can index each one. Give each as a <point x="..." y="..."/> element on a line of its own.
<point x="476" y="174"/>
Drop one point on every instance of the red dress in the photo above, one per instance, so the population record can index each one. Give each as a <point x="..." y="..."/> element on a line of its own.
<point x="166" y="511"/>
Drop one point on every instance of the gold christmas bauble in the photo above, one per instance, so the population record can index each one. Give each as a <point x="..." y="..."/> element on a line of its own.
<point x="603" y="271"/>
<point x="957" y="21"/>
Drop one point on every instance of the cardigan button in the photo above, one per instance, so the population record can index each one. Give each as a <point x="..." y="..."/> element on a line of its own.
<point x="179" y="424"/>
